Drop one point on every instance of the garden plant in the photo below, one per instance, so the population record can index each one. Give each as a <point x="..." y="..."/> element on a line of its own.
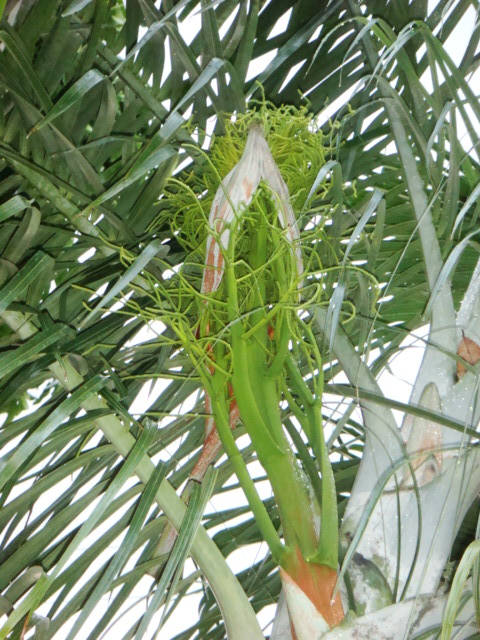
<point x="221" y="226"/>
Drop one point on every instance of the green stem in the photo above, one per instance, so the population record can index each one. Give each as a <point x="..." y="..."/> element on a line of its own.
<point x="299" y="383"/>
<point x="258" y="402"/>
<point x="265" y="394"/>
<point x="306" y="458"/>
<point x="244" y="393"/>
<point x="295" y="409"/>
<point x="276" y="367"/>
<point x="262" y="518"/>
<point x="327" y="550"/>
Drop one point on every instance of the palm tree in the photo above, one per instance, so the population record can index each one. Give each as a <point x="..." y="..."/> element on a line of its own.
<point x="105" y="114"/>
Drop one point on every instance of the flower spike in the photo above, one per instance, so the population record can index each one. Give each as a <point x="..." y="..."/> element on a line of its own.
<point x="236" y="192"/>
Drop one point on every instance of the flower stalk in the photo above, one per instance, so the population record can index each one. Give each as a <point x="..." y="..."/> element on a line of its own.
<point x="261" y="265"/>
<point x="246" y="342"/>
